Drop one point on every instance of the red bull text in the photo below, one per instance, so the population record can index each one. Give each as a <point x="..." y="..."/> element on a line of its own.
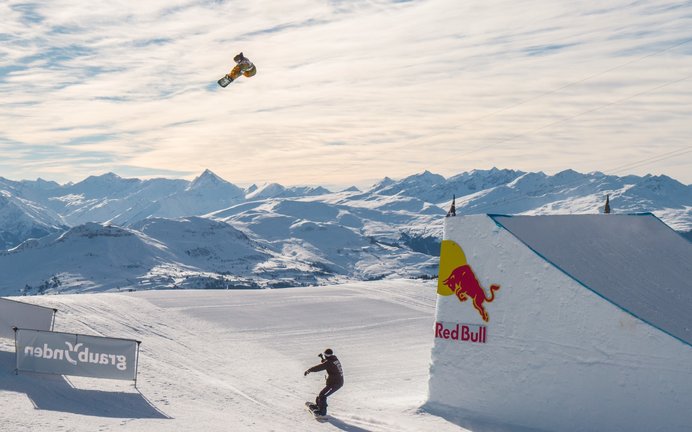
<point x="461" y="332"/>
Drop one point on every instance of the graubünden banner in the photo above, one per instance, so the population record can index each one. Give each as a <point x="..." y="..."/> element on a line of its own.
<point x="76" y="354"/>
<point x="24" y="315"/>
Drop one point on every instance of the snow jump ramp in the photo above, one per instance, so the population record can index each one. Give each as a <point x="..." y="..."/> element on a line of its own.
<point x="563" y="323"/>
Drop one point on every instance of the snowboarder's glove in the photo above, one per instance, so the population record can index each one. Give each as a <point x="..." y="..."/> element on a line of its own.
<point x="306" y="373"/>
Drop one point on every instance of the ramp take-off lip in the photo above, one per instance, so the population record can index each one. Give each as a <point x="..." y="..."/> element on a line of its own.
<point x="593" y="309"/>
<point x="635" y="262"/>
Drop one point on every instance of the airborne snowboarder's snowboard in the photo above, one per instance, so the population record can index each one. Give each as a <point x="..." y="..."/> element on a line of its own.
<point x="223" y="82"/>
<point x="318" y="417"/>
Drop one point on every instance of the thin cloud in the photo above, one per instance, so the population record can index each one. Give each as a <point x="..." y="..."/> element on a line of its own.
<point x="400" y="86"/>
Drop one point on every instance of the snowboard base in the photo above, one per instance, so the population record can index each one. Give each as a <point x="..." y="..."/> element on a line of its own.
<point x="317" y="417"/>
<point x="223" y="82"/>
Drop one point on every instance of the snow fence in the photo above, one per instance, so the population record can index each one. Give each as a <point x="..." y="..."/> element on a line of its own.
<point x="40" y="349"/>
<point x="14" y="313"/>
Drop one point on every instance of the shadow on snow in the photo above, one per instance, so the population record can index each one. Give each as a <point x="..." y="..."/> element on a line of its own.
<point x="340" y="424"/>
<point x="471" y="421"/>
<point x="55" y="393"/>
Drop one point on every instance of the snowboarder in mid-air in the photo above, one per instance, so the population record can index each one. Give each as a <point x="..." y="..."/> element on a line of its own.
<point x="243" y="67"/>
<point x="335" y="380"/>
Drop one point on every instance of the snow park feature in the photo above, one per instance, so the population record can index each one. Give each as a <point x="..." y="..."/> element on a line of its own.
<point x="589" y="328"/>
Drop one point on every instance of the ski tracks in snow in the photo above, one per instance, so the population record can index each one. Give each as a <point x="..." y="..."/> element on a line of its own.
<point x="218" y="361"/>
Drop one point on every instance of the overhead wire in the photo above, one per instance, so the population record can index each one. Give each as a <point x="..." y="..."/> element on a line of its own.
<point x="658" y="158"/>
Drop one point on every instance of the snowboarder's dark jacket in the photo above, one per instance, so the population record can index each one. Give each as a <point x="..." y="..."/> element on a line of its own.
<point x="335" y="374"/>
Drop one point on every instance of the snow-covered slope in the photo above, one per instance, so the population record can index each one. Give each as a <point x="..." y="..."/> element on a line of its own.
<point x="208" y="254"/>
<point x="110" y="198"/>
<point x="269" y="243"/>
<point x="86" y="257"/>
<point x="191" y="252"/>
<point x="84" y="203"/>
<point x="206" y="193"/>
<point x="21" y="219"/>
<point x="226" y="360"/>
<point x="306" y="235"/>
<point x="585" y="325"/>
<point x="275" y="190"/>
<point x="337" y="239"/>
<point x="569" y="192"/>
<point x="434" y="188"/>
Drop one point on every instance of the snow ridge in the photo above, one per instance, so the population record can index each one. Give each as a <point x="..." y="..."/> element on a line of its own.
<point x="211" y="233"/>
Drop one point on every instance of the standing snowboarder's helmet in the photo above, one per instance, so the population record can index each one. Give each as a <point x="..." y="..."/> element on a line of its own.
<point x="238" y="58"/>
<point x="328" y="352"/>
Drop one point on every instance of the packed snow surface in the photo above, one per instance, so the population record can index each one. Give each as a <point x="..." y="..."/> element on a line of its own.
<point x="556" y="355"/>
<point x="233" y="360"/>
<point x="636" y="262"/>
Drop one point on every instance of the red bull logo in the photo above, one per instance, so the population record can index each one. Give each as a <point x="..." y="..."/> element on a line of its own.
<point x="464" y="283"/>
<point x="456" y="277"/>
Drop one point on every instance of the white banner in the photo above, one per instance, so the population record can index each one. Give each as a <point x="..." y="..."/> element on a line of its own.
<point x="75" y="354"/>
<point x="23" y="315"/>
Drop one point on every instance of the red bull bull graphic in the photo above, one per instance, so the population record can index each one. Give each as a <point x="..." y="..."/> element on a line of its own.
<point x="456" y="277"/>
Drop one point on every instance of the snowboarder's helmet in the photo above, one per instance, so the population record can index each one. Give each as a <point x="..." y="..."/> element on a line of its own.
<point x="328" y="352"/>
<point x="238" y="58"/>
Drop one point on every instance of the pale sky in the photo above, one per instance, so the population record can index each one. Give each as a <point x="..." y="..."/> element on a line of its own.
<point x="347" y="91"/>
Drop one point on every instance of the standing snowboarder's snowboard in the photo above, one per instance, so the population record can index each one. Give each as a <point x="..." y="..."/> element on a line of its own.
<point x="223" y="82"/>
<point x="317" y="417"/>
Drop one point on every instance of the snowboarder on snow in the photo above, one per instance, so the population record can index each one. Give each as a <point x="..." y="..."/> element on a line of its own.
<point x="335" y="380"/>
<point x="243" y="66"/>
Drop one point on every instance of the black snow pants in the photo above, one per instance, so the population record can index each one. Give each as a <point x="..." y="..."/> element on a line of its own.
<point x="327" y="391"/>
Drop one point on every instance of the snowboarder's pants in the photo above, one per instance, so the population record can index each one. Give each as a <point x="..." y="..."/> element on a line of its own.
<point x="327" y="391"/>
<point x="236" y="71"/>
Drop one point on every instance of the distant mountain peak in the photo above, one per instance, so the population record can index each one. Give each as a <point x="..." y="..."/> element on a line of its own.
<point x="95" y="229"/>
<point x="109" y="176"/>
<point x="206" y="179"/>
<point x="98" y="178"/>
<point x="267" y="190"/>
<point x="41" y="184"/>
<point x="383" y="183"/>
<point x="208" y="174"/>
<point x="426" y="176"/>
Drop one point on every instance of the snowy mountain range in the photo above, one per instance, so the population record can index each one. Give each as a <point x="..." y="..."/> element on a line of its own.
<point x="110" y="233"/>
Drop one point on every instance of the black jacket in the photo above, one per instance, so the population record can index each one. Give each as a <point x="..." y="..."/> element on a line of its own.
<point x="335" y="374"/>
